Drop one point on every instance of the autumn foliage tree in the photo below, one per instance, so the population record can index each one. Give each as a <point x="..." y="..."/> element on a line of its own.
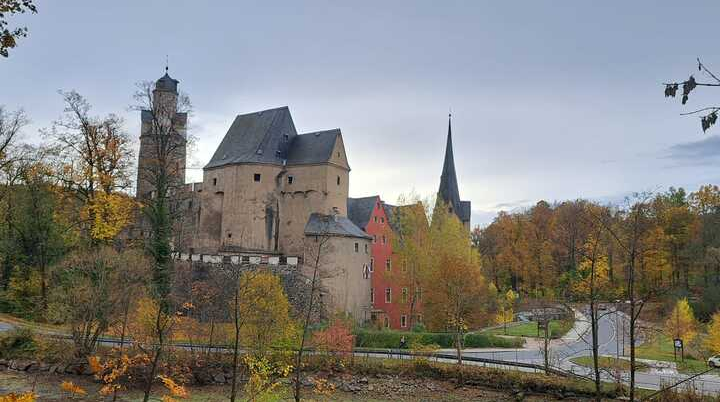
<point x="681" y="322"/>
<point x="8" y="35"/>
<point x="86" y="295"/>
<point x="92" y="158"/>
<point x="455" y="289"/>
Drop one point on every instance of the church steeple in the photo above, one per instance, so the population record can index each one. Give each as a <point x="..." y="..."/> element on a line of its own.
<point x="448" y="180"/>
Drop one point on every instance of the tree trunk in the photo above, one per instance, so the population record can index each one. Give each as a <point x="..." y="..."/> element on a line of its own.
<point x="156" y="358"/>
<point x="236" y="344"/>
<point x="306" y="324"/>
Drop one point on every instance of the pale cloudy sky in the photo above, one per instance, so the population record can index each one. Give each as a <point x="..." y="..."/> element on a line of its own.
<point x="551" y="100"/>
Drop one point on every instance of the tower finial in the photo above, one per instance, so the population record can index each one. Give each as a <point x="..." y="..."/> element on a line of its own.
<point x="167" y="63"/>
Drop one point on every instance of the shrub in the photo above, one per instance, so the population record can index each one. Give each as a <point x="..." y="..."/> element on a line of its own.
<point x="391" y="340"/>
<point x="16" y="343"/>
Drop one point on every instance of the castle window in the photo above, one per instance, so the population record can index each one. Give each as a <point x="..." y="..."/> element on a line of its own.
<point x="256" y="177"/>
<point x="366" y="272"/>
<point x="338" y="180"/>
<point x="286" y="137"/>
<point x="291" y="179"/>
<point x="215" y="181"/>
<point x="387" y="265"/>
<point x="372" y="264"/>
<point x="357" y="247"/>
<point x="384" y="240"/>
<point x="375" y="219"/>
<point x="382" y="219"/>
<point x="387" y="323"/>
<point x="229" y="235"/>
<point x="418" y="294"/>
<point x="404" y="295"/>
<point x="388" y="295"/>
<point x="366" y="248"/>
<point x="372" y="295"/>
<point x="403" y="321"/>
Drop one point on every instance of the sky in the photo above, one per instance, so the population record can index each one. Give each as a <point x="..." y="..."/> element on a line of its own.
<point x="551" y="100"/>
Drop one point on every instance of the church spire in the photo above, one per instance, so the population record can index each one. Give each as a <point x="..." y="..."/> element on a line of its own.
<point x="448" y="180"/>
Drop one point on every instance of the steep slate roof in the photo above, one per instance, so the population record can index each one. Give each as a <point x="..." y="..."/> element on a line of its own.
<point x="166" y="83"/>
<point x="448" y="182"/>
<point x="311" y="148"/>
<point x="390" y="212"/>
<point x="319" y="224"/>
<point x="258" y="137"/>
<point x="360" y="209"/>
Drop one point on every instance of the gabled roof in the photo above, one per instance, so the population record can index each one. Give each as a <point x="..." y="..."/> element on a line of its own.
<point x="259" y="137"/>
<point x="448" y="190"/>
<point x="359" y="210"/>
<point x="321" y="225"/>
<point x="312" y="148"/>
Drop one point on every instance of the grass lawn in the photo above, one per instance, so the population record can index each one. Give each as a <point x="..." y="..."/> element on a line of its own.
<point x="558" y="328"/>
<point x="607" y="363"/>
<point x="660" y="347"/>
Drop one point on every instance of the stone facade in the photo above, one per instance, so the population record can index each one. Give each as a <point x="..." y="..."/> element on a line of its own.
<point x="266" y="193"/>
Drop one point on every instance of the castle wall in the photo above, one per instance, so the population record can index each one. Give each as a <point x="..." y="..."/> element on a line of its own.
<point x="237" y="211"/>
<point x="345" y="288"/>
<point x="314" y="188"/>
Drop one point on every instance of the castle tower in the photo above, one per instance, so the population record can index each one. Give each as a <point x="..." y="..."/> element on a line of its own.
<point x="448" y="191"/>
<point x="163" y="139"/>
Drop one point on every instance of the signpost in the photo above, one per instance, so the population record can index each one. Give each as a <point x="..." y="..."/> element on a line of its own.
<point x="678" y="345"/>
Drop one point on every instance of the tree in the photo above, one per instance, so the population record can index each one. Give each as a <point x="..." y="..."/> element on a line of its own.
<point x="9" y="36"/>
<point x="635" y="221"/>
<point x="93" y="160"/>
<point x="261" y="315"/>
<point x="506" y="313"/>
<point x="87" y="295"/>
<point x="592" y="285"/>
<point x="410" y="245"/>
<point x="167" y="142"/>
<point x="712" y="341"/>
<point x="681" y="323"/>
<point x="455" y="288"/>
<point x="35" y="234"/>
<point x="317" y="247"/>
<point x="708" y="114"/>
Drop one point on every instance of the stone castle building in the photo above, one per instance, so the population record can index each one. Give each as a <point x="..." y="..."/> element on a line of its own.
<point x="270" y="193"/>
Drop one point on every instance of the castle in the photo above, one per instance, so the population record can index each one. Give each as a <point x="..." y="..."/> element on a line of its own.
<point x="270" y="191"/>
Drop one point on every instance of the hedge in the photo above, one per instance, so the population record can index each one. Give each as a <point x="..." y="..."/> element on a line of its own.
<point x="391" y="340"/>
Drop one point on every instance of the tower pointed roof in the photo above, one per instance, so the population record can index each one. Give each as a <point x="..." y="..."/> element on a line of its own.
<point x="448" y="180"/>
<point x="449" y="191"/>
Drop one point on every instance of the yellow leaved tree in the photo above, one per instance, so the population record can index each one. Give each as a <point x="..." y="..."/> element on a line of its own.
<point x="506" y="311"/>
<point x="681" y="324"/>
<point x="712" y="341"/>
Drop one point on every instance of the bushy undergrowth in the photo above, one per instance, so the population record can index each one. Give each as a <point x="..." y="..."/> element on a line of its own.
<point x="17" y="343"/>
<point x="391" y="339"/>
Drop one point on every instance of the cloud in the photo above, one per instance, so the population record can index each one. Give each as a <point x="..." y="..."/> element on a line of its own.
<point x="512" y="205"/>
<point x="697" y="153"/>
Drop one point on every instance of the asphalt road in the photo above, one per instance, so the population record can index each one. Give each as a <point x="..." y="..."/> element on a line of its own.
<point x="612" y="335"/>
